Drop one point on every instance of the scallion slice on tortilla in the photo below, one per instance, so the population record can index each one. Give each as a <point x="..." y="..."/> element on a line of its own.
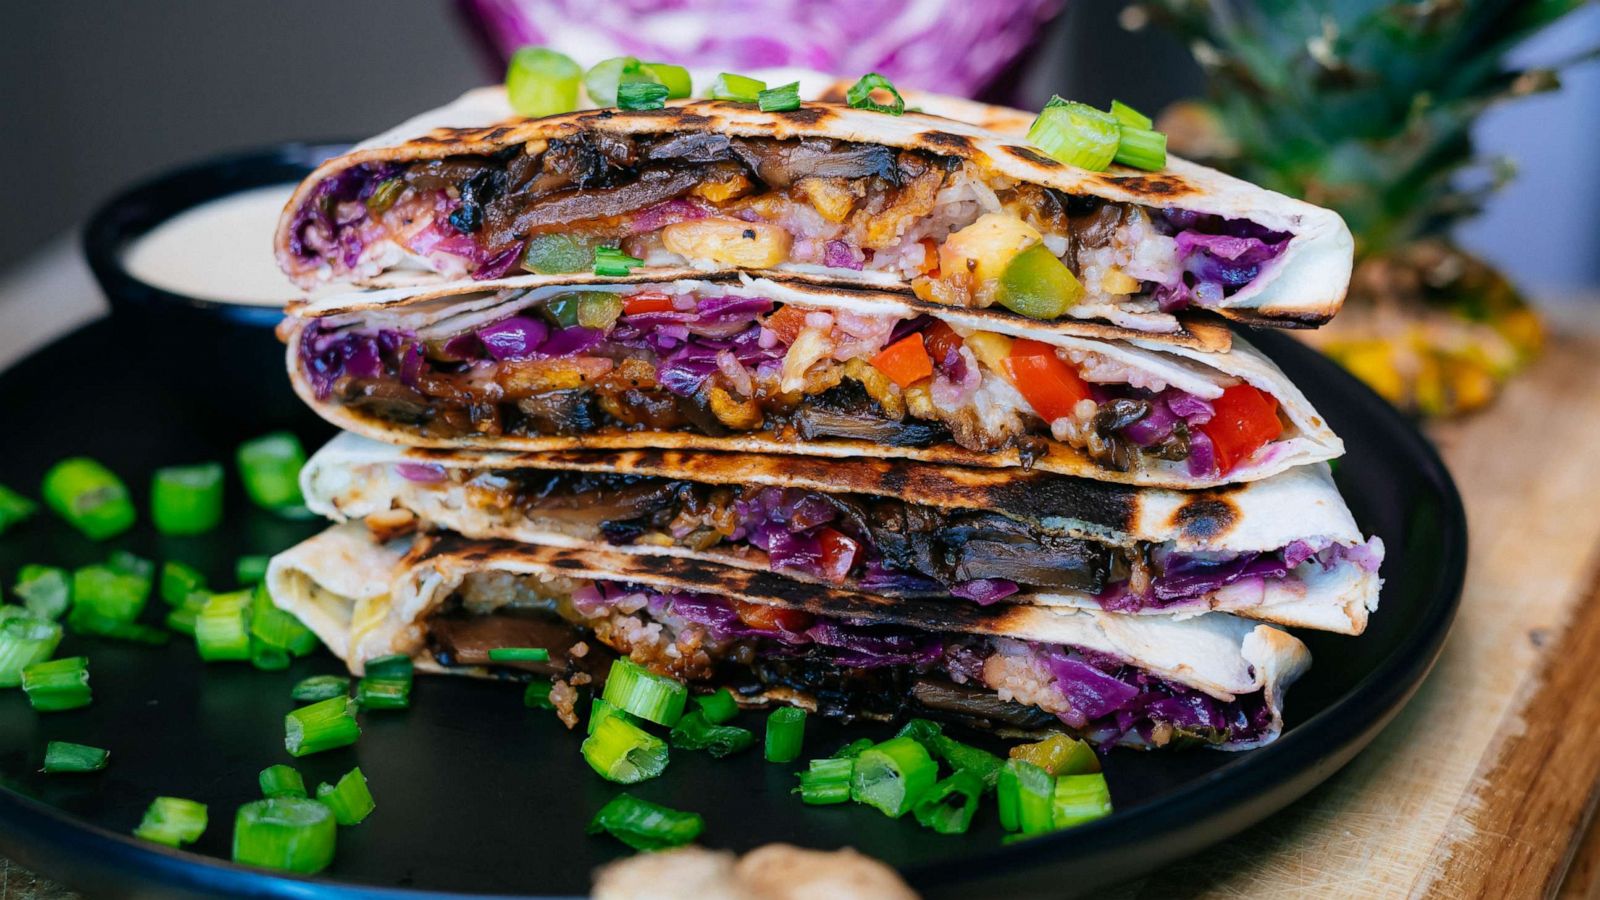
<point x="826" y="781"/>
<point x="646" y="826"/>
<point x="786" y="731"/>
<point x="655" y="698"/>
<point x="780" y="99"/>
<point x="519" y="654"/>
<point x="948" y="806"/>
<point x="542" y="82"/>
<point x="90" y="497"/>
<point x="286" y="833"/>
<point x="609" y="262"/>
<point x="719" y="708"/>
<point x="604" y="77"/>
<point x="893" y="776"/>
<point x="676" y="79"/>
<point x="270" y="467"/>
<point x="282" y="781"/>
<point x="57" y="685"/>
<point x="642" y="95"/>
<point x="186" y="499"/>
<point x="65" y="756"/>
<point x="321" y="726"/>
<point x="45" y="590"/>
<point x="1078" y="799"/>
<point x="1142" y="148"/>
<point x="737" y="88"/>
<point x="623" y="752"/>
<point x="1076" y="134"/>
<point x="222" y="627"/>
<point x="860" y="95"/>
<point x="350" y="799"/>
<point x="172" y="821"/>
<point x="1130" y="117"/>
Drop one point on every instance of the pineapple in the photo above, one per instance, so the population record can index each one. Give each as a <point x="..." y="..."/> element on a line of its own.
<point x="1367" y="107"/>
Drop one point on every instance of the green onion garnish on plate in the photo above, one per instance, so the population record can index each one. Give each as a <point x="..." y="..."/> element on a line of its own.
<point x="893" y="776"/>
<point x="609" y="262"/>
<point x="350" y="800"/>
<point x="519" y="654"/>
<point x="695" y="732"/>
<point x="282" y="781"/>
<point x="250" y="570"/>
<point x="268" y="658"/>
<point x="107" y="592"/>
<point x="780" y="99"/>
<point x="719" y="708"/>
<point x="542" y="82"/>
<point x="270" y="468"/>
<point x="90" y="497"/>
<point x="826" y="781"/>
<point x="853" y="749"/>
<point x="634" y="689"/>
<point x="320" y="687"/>
<point x="64" y="756"/>
<point x="395" y="666"/>
<point x="173" y="821"/>
<point x="923" y="731"/>
<point x="14" y="508"/>
<point x="860" y="95"/>
<point x="187" y="499"/>
<point x="178" y="582"/>
<point x="964" y="756"/>
<point x="383" y="693"/>
<point x="285" y="833"/>
<point x="786" y="731"/>
<point x="45" y="590"/>
<point x="600" y="709"/>
<point x="737" y="88"/>
<point x="278" y="628"/>
<point x="57" y="685"/>
<point x="1078" y="799"/>
<point x="646" y="826"/>
<point x="324" y="725"/>
<point x="222" y="627"/>
<point x="623" y="752"/>
<point x="25" y="641"/>
<point x="1025" y="793"/>
<point x="537" y="694"/>
<point x="948" y="806"/>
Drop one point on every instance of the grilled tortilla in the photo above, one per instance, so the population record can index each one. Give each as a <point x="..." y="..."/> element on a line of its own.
<point x="1284" y="550"/>
<point x="446" y="601"/>
<point x="755" y="365"/>
<point x="915" y="202"/>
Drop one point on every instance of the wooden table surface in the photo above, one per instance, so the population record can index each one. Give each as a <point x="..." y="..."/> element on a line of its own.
<point x="1484" y="786"/>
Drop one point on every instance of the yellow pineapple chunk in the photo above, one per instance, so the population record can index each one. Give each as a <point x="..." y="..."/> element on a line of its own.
<point x="1116" y="281"/>
<point x="831" y="197"/>
<point x="722" y="191"/>
<point x="748" y="245"/>
<point x="985" y="247"/>
<point x="990" y="348"/>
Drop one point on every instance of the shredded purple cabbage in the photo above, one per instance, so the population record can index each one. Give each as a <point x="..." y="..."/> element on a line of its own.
<point x="1219" y="256"/>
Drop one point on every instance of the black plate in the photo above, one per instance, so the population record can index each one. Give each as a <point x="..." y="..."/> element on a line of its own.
<point x="478" y="795"/>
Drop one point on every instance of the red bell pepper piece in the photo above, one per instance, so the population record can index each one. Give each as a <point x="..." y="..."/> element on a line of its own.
<point x="905" y="361"/>
<point x="1049" y="384"/>
<point x="1244" y="421"/>
<point x="646" y="302"/>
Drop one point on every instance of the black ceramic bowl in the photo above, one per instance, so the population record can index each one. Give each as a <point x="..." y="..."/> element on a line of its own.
<point x="203" y="338"/>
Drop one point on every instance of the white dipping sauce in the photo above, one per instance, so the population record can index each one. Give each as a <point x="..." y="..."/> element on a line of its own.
<point x="220" y="250"/>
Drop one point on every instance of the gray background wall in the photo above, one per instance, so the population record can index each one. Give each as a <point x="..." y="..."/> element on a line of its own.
<point x="93" y="96"/>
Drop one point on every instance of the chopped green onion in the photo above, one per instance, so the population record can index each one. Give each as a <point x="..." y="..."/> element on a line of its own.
<point x="103" y="592"/>
<point x="270" y="468"/>
<point x="1078" y="799"/>
<point x="719" y="708"/>
<point x="1059" y="755"/>
<point x="519" y="654"/>
<point x="183" y="618"/>
<point x="641" y="95"/>
<point x="737" y="88"/>
<point x="893" y="776"/>
<point x="9" y="611"/>
<point x="963" y="756"/>
<point x="86" y="622"/>
<point x="1025" y="793"/>
<point x="923" y="731"/>
<point x="395" y="666"/>
<point x="860" y="95"/>
<point x="320" y="687"/>
<point x="655" y="698"/>
<point x="285" y="833"/>
<point x="853" y="749"/>
<point x="14" y="508"/>
<point x="57" y="685"/>
<point x="606" y="76"/>
<point x="321" y="726"/>
<point x="178" y="582"/>
<point x="780" y="99"/>
<point x="64" y="756"/>
<point x="557" y="254"/>
<point x="383" y="693"/>
<point x="676" y="78"/>
<point x="268" y="658"/>
<point x="786" y="731"/>
<point x="948" y="806"/>
<point x="1129" y="117"/>
<point x="250" y="570"/>
<point x="609" y="262"/>
<point x="1142" y="148"/>
<point x="695" y="732"/>
<point x="623" y="752"/>
<point x="646" y="826"/>
<point x="45" y="589"/>
<point x="542" y="82"/>
<point x="187" y="499"/>
<point x="276" y="627"/>
<point x="23" y="642"/>
<point x="600" y="709"/>
<point x="537" y="694"/>
<point x="350" y="799"/>
<point x="172" y="821"/>
<point x="282" y="781"/>
<point x="826" y="782"/>
<point x="90" y="497"/>
<point x="1076" y="134"/>
<point x="222" y="628"/>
